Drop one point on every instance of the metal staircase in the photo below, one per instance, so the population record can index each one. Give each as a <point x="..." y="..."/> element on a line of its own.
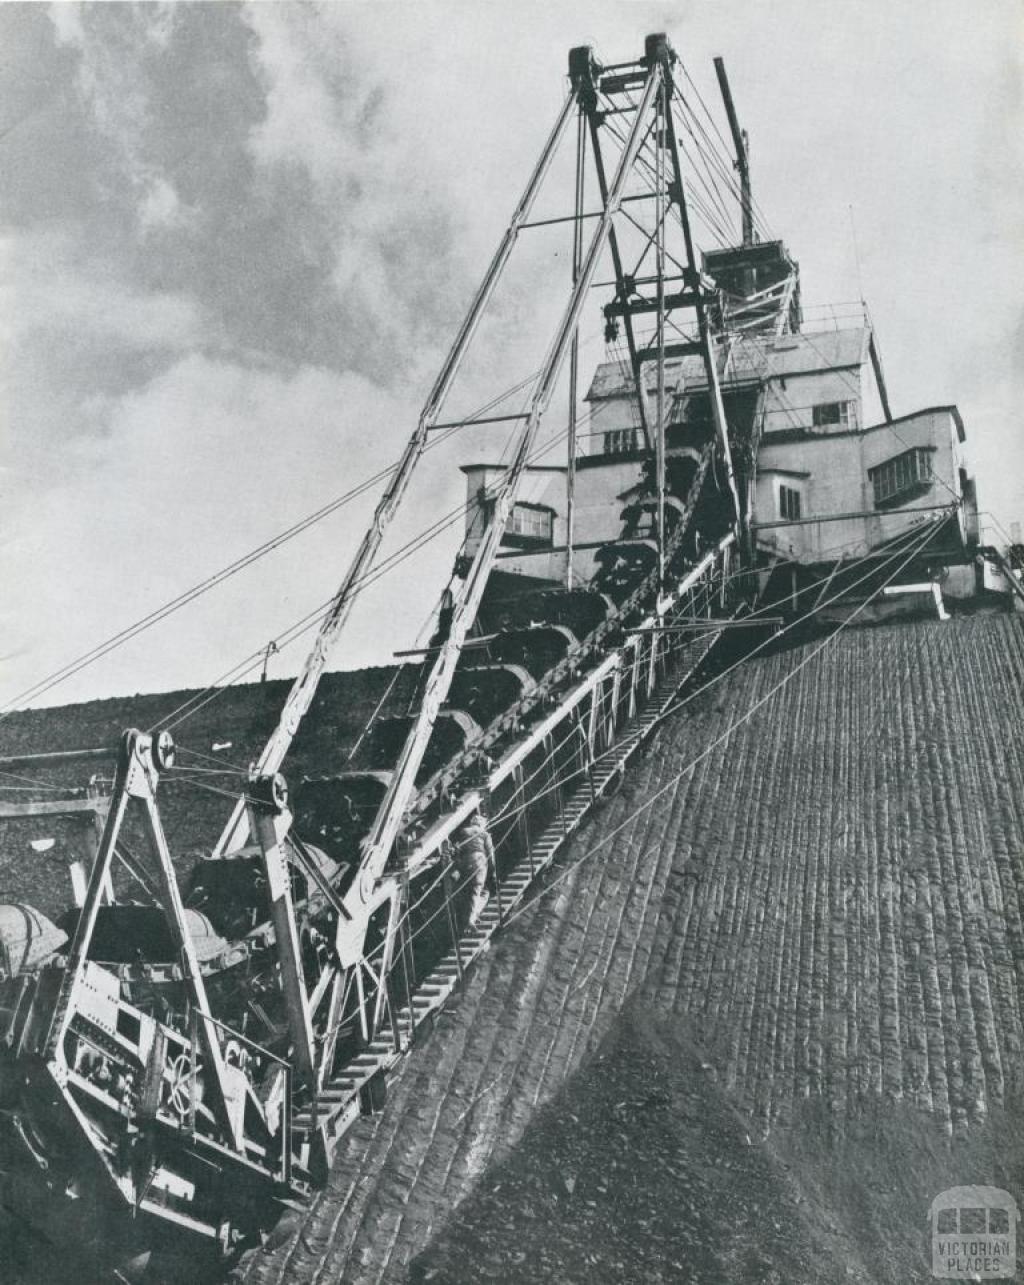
<point x="349" y="1093"/>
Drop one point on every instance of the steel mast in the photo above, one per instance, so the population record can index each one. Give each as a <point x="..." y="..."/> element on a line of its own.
<point x="742" y="145"/>
<point x="303" y="690"/>
<point x="375" y="885"/>
<point x="379" y="883"/>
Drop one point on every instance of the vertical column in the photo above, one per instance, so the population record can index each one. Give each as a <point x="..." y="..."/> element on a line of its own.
<point x="696" y="284"/>
<point x="574" y="354"/>
<point x="383" y="990"/>
<point x="659" y="228"/>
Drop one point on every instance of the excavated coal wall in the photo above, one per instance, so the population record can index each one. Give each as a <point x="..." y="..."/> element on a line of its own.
<point x="193" y="814"/>
<point x="829" y="905"/>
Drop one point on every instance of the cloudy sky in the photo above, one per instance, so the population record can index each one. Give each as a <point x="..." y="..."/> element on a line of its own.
<point x="236" y="240"/>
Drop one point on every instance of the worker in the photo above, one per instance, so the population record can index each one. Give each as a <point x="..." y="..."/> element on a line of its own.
<point x="474" y="858"/>
<point x="445" y="616"/>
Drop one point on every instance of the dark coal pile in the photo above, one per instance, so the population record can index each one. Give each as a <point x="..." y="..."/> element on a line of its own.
<point x="641" y="1170"/>
<point x="876" y="1174"/>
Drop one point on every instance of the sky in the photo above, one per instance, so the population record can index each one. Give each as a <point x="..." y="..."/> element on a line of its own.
<point x="237" y="240"/>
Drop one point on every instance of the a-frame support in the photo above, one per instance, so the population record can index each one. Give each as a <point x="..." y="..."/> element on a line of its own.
<point x="140" y="760"/>
<point x="378" y="844"/>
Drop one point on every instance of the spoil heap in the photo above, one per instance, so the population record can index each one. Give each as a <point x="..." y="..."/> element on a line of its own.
<point x="640" y="1170"/>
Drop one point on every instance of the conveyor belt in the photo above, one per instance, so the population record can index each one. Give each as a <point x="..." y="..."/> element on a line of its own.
<point x="342" y="1095"/>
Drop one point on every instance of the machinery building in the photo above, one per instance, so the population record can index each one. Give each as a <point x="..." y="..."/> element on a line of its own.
<point x="828" y="472"/>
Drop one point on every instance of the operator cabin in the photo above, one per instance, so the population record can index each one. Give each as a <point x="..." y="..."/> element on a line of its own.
<point x="812" y="400"/>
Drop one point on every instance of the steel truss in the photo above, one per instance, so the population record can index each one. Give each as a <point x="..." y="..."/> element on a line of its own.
<point x="189" y="1119"/>
<point x="377" y="890"/>
<point x="356" y="988"/>
<point x="354" y="1008"/>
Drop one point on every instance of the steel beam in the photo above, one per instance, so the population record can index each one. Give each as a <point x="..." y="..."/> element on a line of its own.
<point x="682" y="625"/>
<point x="47" y="807"/>
<point x="739" y="139"/>
<point x="636" y="307"/>
<point x="574" y="356"/>
<point x="852" y="515"/>
<point x="593" y="121"/>
<point x="469" y="423"/>
<point x="876" y="366"/>
<point x="270" y="820"/>
<point x="304" y="688"/>
<point x="378" y="843"/>
<point x="136" y="778"/>
<point x="99" y="876"/>
<point x="661" y="213"/>
<point x="710" y="370"/>
<point x="58" y="758"/>
<point x="174" y="913"/>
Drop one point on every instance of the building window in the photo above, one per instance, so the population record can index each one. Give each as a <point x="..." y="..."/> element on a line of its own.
<point x="620" y="441"/>
<point x="902" y="477"/>
<point x="529" y="525"/>
<point x="832" y="415"/>
<point x="789" y="503"/>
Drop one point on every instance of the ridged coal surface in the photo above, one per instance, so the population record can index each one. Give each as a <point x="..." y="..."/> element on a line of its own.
<point x="829" y="904"/>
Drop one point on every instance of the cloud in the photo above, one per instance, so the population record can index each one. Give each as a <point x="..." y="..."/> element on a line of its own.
<point x="196" y="468"/>
<point x="161" y="206"/>
<point x="67" y="23"/>
<point x="76" y="336"/>
<point x="334" y="132"/>
<point x="50" y="291"/>
<point x="415" y="196"/>
<point x="115" y="51"/>
<point x="308" y="121"/>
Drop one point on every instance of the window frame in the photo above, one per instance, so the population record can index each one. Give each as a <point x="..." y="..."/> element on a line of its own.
<point x="843" y="419"/>
<point x="790" y="503"/>
<point x="530" y="526"/>
<point x="618" y="441"/>
<point x="902" y="477"/>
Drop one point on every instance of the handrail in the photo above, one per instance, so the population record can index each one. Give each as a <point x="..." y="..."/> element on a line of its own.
<point x="468" y="803"/>
<point x="570" y="662"/>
